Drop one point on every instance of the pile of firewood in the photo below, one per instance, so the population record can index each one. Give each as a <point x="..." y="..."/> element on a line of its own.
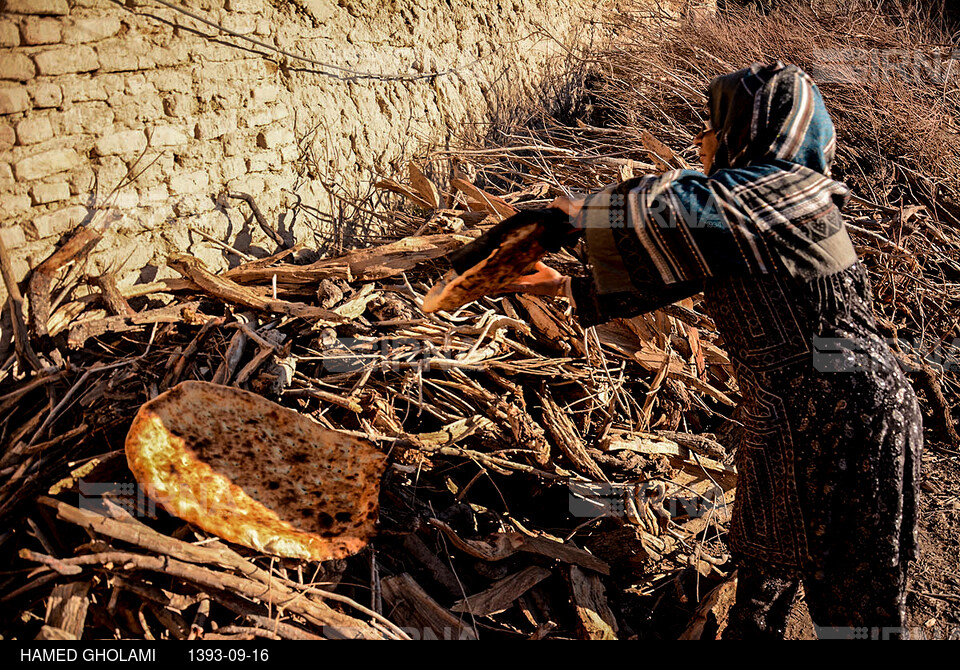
<point x="544" y="480"/>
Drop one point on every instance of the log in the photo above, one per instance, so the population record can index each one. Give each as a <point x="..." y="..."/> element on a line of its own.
<point x="41" y="278"/>
<point x="15" y="301"/>
<point x="111" y="296"/>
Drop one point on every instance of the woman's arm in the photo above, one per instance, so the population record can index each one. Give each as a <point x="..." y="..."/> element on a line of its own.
<point x="624" y="280"/>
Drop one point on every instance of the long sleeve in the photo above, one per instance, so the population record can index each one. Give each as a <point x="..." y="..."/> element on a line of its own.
<point x="593" y="308"/>
<point x="639" y="268"/>
<point x="654" y="240"/>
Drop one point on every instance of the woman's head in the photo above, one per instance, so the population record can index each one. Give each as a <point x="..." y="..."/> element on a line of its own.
<point x="706" y="142"/>
<point x="769" y="112"/>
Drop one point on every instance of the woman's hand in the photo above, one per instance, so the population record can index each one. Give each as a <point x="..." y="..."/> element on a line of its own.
<point x="569" y="205"/>
<point x="543" y="281"/>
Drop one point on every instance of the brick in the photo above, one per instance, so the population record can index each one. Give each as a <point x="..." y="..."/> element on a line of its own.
<point x="153" y="195"/>
<point x="70" y="122"/>
<point x="256" y="119"/>
<point x="33" y="130"/>
<point x="264" y="160"/>
<point x="166" y="57"/>
<point x="248" y="183"/>
<point x="118" y="56"/>
<point x="6" y="176"/>
<point x="44" y="193"/>
<point x="180" y="105"/>
<point x="233" y="167"/>
<point x="246" y="69"/>
<point x="39" y="7"/>
<point x="289" y="153"/>
<point x="171" y="80"/>
<point x="78" y="31"/>
<point x="59" y="222"/>
<point x="82" y="88"/>
<point x="191" y="205"/>
<point x="149" y="108"/>
<point x="152" y="172"/>
<point x="279" y="112"/>
<point x="46" y="94"/>
<point x="46" y="163"/>
<point x="96" y="117"/>
<point x="166" y="136"/>
<point x="16" y="66"/>
<point x="136" y="84"/>
<point x="242" y="24"/>
<point x="126" y="199"/>
<point x="110" y="171"/>
<point x="266" y="93"/>
<point x="113" y="84"/>
<point x="13" y="237"/>
<point x="232" y="144"/>
<point x="212" y="126"/>
<point x="11" y="205"/>
<point x="220" y="53"/>
<point x="126" y="111"/>
<point x="66" y="60"/>
<point x="82" y="180"/>
<point x="40" y="31"/>
<point x="128" y="141"/>
<point x="9" y="35"/>
<point x="190" y="182"/>
<point x="7" y="137"/>
<point x="275" y="137"/>
<point x="14" y="100"/>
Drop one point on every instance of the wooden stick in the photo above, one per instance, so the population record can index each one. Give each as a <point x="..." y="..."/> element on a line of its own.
<point x="15" y="302"/>
<point x="339" y="625"/>
<point x="261" y="221"/>
<point x="81" y="332"/>
<point x="42" y="277"/>
<point x="111" y="296"/>
<point x="231" y="292"/>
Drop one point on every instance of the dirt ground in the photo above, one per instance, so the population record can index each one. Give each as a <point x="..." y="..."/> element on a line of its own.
<point x="933" y="601"/>
<point x="933" y="596"/>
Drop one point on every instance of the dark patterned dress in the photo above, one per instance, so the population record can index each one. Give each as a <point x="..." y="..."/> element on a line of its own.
<point x="828" y="454"/>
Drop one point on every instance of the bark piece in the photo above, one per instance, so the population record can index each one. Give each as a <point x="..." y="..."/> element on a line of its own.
<point x="414" y="609"/>
<point x="595" y="619"/>
<point x="567" y="439"/>
<point x="502" y="593"/>
<point x="67" y="608"/>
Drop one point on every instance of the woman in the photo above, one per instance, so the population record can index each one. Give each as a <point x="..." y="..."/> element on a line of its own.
<point x="829" y="452"/>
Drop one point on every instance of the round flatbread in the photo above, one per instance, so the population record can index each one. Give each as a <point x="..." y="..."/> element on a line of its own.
<point x="514" y="257"/>
<point x="253" y="472"/>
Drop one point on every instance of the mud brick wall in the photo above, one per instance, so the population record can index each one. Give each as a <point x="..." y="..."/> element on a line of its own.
<point x="93" y="89"/>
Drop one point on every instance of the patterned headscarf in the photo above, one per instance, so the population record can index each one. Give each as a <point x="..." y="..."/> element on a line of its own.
<point x="770" y="112"/>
